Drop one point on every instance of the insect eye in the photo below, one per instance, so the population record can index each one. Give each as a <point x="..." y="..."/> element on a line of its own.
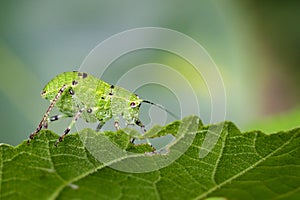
<point x="132" y="104"/>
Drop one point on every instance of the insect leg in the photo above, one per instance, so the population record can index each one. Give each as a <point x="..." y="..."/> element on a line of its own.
<point x="99" y="126"/>
<point x="75" y="118"/>
<point x="54" y="118"/>
<point x="140" y="124"/>
<point x="45" y="117"/>
<point x="132" y="140"/>
<point x="117" y="126"/>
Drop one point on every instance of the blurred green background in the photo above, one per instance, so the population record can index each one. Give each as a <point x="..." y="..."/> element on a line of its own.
<point x="254" y="43"/>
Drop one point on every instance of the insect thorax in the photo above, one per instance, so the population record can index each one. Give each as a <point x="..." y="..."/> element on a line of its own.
<point x="99" y="99"/>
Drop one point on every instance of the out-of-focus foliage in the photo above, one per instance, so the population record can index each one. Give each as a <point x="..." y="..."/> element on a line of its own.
<point x="254" y="43"/>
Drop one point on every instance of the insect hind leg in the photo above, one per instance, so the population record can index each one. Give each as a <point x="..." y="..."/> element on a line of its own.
<point x="67" y="130"/>
<point x="45" y="117"/>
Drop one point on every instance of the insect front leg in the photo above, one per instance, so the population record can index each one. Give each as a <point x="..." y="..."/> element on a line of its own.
<point x="75" y="118"/>
<point x="45" y="117"/>
<point x="140" y="124"/>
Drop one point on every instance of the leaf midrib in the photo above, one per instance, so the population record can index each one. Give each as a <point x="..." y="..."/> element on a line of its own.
<point x="220" y="155"/>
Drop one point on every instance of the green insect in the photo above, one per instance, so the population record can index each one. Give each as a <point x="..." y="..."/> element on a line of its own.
<point x="78" y="94"/>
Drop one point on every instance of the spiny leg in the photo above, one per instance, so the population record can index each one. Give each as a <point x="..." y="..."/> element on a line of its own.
<point x="75" y="118"/>
<point x="45" y="117"/>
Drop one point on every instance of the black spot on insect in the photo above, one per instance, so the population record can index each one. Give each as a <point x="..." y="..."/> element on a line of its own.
<point x="112" y="87"/>
<point x="89" y="110"/>
<point x="44" y="92"/>
<point x="71" y="91"/>
<point x="84" y="75"/>
<point x="102" y="98"/>
<point x="110" y="94"/>
<point x="74" y="82"/>
<point x="132" y="104"/>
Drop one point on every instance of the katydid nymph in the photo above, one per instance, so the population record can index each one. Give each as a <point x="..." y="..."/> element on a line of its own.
<point x="78" y="94"/>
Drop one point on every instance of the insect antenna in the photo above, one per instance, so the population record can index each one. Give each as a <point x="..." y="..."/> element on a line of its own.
<point x="161" y="107"/>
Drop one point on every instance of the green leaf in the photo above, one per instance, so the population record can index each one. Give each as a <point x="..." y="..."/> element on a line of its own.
<point x="249" y="165"/>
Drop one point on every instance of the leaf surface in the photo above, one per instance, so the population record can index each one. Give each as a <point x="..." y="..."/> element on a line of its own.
<point x="249" y="165"/>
